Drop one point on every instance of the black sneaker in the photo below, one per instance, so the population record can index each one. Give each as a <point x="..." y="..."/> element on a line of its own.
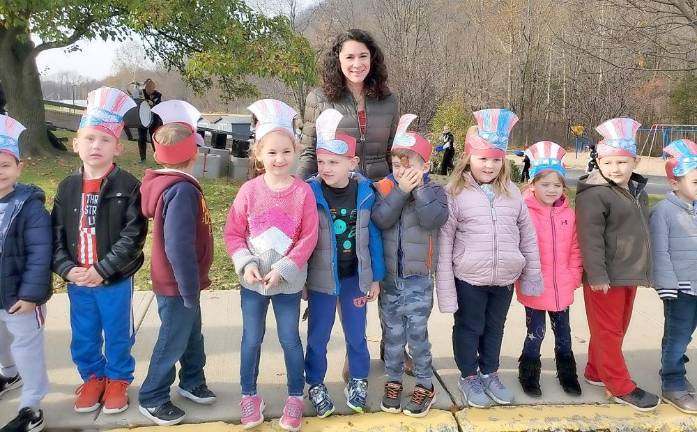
<point x="9" y="383"/>
<point x="640" y="400"/>
<point x="26" y="421"/>
<point x="392" y="398"/>
<point x="166" y="414"/>
<point x="420" y="402"/>
<point x="201" y="394"/>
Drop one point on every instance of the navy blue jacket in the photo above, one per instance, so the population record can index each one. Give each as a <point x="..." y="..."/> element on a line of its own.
<point x="26" y="248"/>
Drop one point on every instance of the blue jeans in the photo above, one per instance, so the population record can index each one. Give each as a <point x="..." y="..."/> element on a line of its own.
<point x="680" y="322"/>
<point x="321" y="313"/>
<point x="286" y="309"/>
<point x="101" y="319"/>
<point x="537" y="327"/>
<point x="179" y="340"/>
<point x="478" y="329"/>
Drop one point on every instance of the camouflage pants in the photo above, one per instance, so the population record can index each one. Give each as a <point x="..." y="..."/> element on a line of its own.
<point x="405" y="306"/>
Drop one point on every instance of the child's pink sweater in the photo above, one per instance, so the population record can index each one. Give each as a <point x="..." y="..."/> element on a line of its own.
<point x="275" y="230"/>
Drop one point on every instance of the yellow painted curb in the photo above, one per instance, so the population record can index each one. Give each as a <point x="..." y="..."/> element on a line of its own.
<point x="611" y="418"/>
<point x="436" y="421"/>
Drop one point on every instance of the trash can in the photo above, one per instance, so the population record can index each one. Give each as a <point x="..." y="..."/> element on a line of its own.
<point x="239" y="167"/>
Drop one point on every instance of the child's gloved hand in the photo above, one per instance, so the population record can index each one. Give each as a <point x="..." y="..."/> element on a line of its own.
<point x="271" y="279"/>
<point x="374" y="291"/>
<point x="602" y="287"/>
<point x="22" y="307"/>
<point x="251" y="274"/>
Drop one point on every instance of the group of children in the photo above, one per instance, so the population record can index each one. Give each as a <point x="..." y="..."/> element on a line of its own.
<point x="340" y="241"/>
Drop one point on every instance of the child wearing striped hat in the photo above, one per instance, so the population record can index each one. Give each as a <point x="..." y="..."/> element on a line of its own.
<point x="270" y="233"/>
<point x="674" y="250"/>
<point x="487" y="243"/>
<point x="98" y="237"/>
<point x="25" y="271"/>
<point x="560" y="258"/>
<point x="612" y="225"/>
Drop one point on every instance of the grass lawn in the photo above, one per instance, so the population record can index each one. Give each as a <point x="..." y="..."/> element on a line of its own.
<point x="47" y="172"/>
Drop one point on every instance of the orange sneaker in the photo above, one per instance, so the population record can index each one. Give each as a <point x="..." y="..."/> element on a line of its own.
<point x="115" y="397"/>
<point x="89" y="394"/>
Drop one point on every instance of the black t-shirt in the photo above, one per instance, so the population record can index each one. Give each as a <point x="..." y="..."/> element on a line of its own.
<point x="342" y="205"/>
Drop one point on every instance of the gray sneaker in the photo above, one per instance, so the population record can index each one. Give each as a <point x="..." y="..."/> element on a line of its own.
<point x="681" y="400"/>
<point x="495" y="388"/>
<point x="640" y="400"/>
<point x="473" y="392"/>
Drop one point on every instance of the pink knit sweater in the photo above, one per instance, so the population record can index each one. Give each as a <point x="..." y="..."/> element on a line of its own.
<point x="274" y="230"/>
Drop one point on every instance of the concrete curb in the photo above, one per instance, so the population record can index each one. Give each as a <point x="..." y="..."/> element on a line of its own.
<point x="610" y="417"/>
<point x="436" y="421"/>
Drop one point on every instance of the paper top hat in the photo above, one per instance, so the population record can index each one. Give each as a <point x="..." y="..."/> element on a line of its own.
<point x="411" y="140"/>
<point x="10" y="130"/>
<point x="619" y="137"/>
<point x="328" y="141"/>
<point x="492" y="133"/>
<point x="272" y="115"/>
<point x="177" y="111"/>
<point x="545" y="155"/>
<point x="682" y="155"/>
<point x="183" y="113"/>
<point x="105" y="109"/>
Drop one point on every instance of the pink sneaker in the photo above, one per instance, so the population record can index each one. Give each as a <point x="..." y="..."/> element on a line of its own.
<point x="292" y="414"/>
<point x="251" y="411"/>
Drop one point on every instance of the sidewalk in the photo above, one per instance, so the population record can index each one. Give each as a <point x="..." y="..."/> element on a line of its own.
<point x="222" y="330"/>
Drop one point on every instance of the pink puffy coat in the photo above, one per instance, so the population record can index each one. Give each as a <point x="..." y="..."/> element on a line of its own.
<point x="486" y="244"/>
<point x="560" y="255"/>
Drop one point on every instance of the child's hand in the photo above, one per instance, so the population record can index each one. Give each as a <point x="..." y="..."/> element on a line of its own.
<point x="409" y="180"/>
<point x="76" y="275"/>
<point x="602" y="287"/>
<point x="271" y="279"/>
<point x="251" y="274"/>
<point x="374" y="291"/>
<point x="22" y="307"/>
<point x="92" y="278"/>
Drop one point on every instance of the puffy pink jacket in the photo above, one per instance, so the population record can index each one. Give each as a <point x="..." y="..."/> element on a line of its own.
<point x="486" y="244"/>
<point x="560" y="255"/>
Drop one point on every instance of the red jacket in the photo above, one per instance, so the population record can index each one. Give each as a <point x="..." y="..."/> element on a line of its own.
<point x="560" y="255"/>
<point x="182" y="242"/>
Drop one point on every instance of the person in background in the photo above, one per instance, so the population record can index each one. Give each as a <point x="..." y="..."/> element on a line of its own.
<point x="152" y="97"/>
<point x="447" y="164"/>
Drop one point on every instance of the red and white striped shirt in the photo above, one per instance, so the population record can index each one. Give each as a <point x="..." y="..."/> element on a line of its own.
<point x="87" y="240"/>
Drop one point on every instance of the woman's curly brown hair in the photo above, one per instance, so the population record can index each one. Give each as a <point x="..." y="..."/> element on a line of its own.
<point x="334" y="81"/>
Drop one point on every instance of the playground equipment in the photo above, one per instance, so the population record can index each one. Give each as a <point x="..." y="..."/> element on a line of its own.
<point x="654" y="138"/>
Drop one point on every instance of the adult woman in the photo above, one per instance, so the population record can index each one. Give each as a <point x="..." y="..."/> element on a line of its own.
<point x="354" y="82"/>
<point x="152" y="97"/>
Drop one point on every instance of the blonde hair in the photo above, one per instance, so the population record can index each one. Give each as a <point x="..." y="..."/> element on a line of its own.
<point x="458" y="180"/>
<point x="538" y="177"/>
<point x="171" y="134"/>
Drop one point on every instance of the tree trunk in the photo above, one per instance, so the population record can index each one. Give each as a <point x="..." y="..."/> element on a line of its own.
<point x="20" y="79"/>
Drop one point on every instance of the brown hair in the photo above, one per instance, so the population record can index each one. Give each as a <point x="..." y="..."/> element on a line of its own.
<point x="334" y="81"/>
<point x="170" y="134"/>
<point x="458" y="180"/>
<point x="405" y="153"/>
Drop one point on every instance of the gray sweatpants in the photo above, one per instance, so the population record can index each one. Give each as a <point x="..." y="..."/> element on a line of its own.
<point x="405" y="306"/>
<point x="22" y="351"/>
